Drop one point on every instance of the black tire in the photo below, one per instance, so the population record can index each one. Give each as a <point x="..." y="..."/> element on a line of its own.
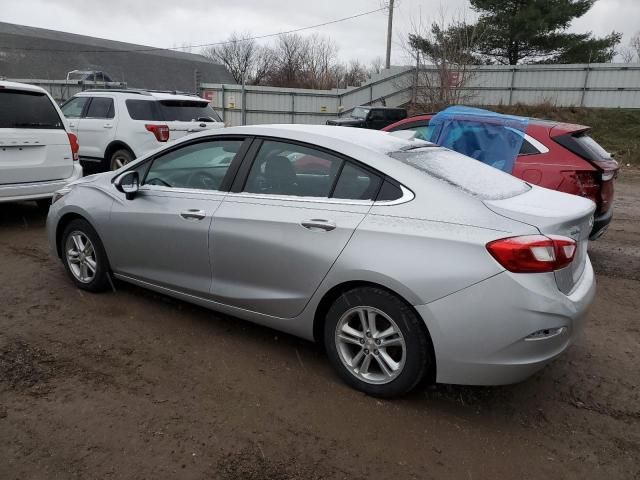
<point x="100" y="281"/>
<point x="119" y="158"/>
<point x="417" y="351"/>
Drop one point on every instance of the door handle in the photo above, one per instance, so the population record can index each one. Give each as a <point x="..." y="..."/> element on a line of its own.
<point x="318" y="224"/>
<point x="108" y="125"/>
<point x="193" y="214"/>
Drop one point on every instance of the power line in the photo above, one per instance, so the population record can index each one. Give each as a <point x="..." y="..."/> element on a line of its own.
<point x="159" y="49"/>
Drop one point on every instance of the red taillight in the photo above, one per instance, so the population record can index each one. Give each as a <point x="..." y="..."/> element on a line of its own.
<point x="160" y="131"/>
<point x="73" y="142"/>
<point x="533" y="253"/>
<point x="588" y="185"/>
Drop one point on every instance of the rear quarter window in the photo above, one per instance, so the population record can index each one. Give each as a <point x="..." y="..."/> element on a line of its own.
<point x="143" y="110"/>
<point x="465" y="173"/>
<point x="23" y="109"/>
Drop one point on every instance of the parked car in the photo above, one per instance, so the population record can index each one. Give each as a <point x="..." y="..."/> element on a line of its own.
<point x="38" y="153"/>
<point x="555" y="155"/>
<point x="89" y="75"/>
<point x="402" y="258"/>
<point x="116" y="126"/>
<point x="374" y="118"/>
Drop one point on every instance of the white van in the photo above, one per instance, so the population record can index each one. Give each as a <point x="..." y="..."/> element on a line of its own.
<point x="38" y="153"/>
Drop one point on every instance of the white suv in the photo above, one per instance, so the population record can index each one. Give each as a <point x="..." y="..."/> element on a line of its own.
<point x="38" y="153"/>
<point x="116" y="126"/>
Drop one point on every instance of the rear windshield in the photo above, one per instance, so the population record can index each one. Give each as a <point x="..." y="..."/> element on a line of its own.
<point x="21" y="109"/>
<point x="593" y="147"/>
<point x="171" y="110"/>
<point x="470" y="175"/>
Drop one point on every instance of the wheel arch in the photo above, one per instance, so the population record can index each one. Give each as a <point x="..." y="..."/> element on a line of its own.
<point x="117" y="145"/>
<point x="65" y="220"/>
<point x="333" y="293"/>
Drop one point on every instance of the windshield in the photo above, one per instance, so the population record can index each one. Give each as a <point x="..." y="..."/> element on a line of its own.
<point x="463" y="172"/>
<point x="360" y="113"/>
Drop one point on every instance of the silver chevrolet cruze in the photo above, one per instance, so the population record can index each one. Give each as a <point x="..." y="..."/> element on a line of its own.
<point x="405" y="260"/>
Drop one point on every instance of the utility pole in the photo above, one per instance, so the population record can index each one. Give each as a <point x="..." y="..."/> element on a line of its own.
<point x="389" y="29"/>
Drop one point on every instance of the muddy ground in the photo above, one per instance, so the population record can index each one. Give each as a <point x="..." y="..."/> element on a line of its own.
<point x="139" y="386"/>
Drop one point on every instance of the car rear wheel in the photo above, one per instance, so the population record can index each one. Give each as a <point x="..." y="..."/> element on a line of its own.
<point x="376" y="342"/>
<point x="84" y="257"/>
<point x="120" y="158"/>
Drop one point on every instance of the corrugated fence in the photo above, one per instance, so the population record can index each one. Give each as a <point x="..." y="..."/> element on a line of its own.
<point x="594" y="85"/>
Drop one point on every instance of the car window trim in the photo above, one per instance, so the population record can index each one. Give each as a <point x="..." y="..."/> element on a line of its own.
<point x="243" y="174"/>
<point x="246" y="142"/>
<point x="86" y="109"/>
<point x="223" y="184"/>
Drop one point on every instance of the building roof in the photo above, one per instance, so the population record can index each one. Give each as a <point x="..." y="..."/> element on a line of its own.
<point x="29" y="52"/>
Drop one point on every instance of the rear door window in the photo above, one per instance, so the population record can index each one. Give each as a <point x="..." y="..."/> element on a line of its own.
<point x="100" y="107"/>
<point x="23" y="109"/>
<point x="282" y="168"/>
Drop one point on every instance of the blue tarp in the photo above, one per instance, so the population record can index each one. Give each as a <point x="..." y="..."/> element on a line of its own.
<point x="489" y="137"/>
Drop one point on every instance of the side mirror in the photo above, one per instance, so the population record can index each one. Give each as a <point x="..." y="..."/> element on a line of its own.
<point x="128" y="183"/>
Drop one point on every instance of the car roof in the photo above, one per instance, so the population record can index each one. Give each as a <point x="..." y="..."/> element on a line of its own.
<point x="556" y="125"/>
<point x="329" y="136"/>
<point x="21" y="86"/>
<point x="144" y="94"/>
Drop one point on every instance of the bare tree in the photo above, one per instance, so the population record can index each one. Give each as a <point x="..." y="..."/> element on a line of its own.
<point x="239" y="54"/>
<point x="441" y="49"/>
<point x="628" y="54"/>
<point x="355" y="74"/>
<point x="635" y="44"/>
<point x="376" y="65"/>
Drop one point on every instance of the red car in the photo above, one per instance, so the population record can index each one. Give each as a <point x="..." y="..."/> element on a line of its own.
<point x="559" y="156"/>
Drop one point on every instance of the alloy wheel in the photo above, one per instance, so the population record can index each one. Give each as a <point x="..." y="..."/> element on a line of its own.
<point x="370" y="345"/>
<point x="81" y="257"/>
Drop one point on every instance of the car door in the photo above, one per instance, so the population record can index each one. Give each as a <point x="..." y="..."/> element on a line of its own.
<point x="73" y="110"/>
<point x="161" y="236"/>
<point x="279" y="231"/>
<point x="96" y="128"/>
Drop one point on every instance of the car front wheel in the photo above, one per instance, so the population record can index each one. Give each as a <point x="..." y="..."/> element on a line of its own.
<point x="376" y="342"/>
<point x="84" y="257"/>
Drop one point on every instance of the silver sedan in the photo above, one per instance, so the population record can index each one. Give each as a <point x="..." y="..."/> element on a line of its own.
<point x="405" y="260"/>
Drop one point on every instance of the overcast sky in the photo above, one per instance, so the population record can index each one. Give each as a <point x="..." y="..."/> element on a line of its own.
<point x="169" y="23"/>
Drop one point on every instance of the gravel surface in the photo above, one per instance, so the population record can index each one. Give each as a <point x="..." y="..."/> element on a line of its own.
<point x="135" y="385"/>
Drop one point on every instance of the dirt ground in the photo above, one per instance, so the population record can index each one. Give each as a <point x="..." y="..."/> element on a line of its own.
<point x="135" y="385"/>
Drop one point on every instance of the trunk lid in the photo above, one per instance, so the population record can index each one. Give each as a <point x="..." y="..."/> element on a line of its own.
<point x="34" y="155"/>
<point x="178" y="129"/>
<point x="553" y="213"/>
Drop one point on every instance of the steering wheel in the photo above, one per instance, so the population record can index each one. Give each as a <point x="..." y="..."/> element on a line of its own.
<point x="157" y="181"/>
<point x="202" y="180"/>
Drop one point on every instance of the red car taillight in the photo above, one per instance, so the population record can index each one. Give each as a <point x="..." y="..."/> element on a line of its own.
<point x="73" y="142"/>
<point x="160" y="131"/>
<point x="533" y="253"/>
<point x="588" y="185"/>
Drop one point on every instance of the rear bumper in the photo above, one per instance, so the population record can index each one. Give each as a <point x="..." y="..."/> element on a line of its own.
<point x="482" y="335"/>
<point x="601" y="224"/>
<point x="37" y="190"/>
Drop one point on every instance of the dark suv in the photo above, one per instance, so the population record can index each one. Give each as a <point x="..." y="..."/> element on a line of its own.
<point x="374" y="118"/>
